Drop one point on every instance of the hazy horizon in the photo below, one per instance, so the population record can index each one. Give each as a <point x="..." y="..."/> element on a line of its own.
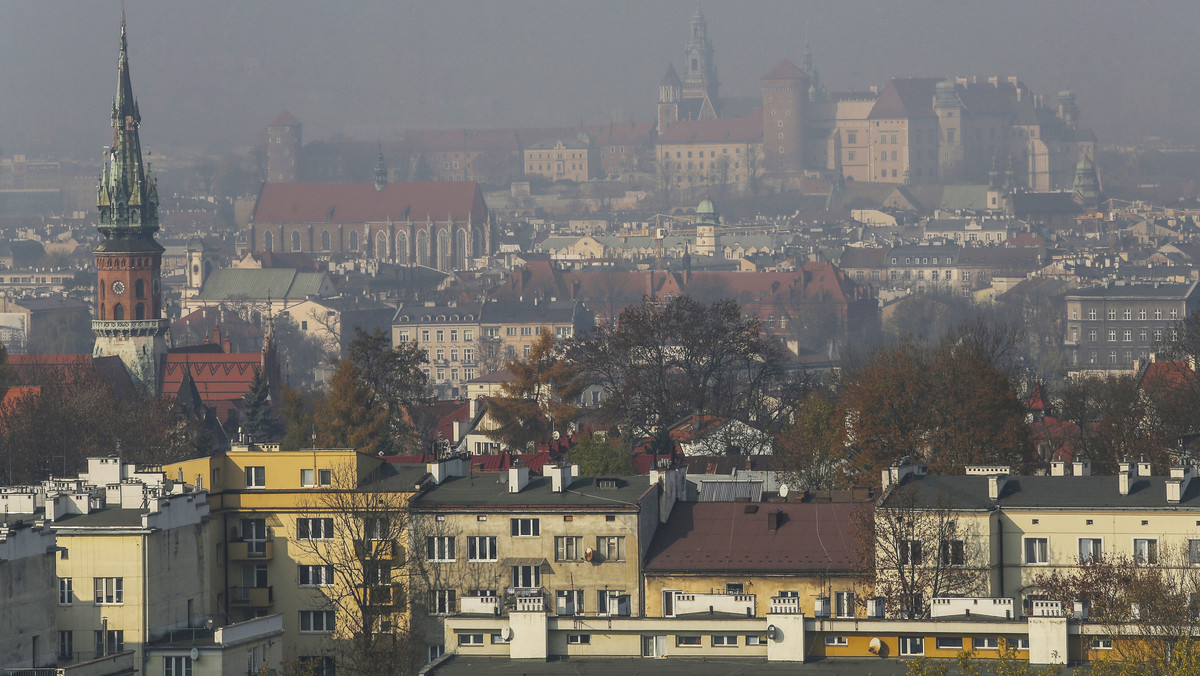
<point x="211" y="75"/>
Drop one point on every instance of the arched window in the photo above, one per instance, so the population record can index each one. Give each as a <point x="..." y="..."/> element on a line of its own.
<point x="354" y="240"/>
<point x="295" y="241"/>
<point x="423" y="248"/>
<point x="402" y="248"/>
<point x="381" y="246"/>
<point x="118" y="312"/>
<point x="460" y="249"/>
<point x="443" y="250"/>
<point x="139" y="289"/>
<point x="325" y="241"/>
<point x="139" y="311"/>
<point x="268" y="240"/>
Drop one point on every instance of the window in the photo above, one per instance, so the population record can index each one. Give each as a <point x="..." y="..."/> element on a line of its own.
<point x="735" y="588"/>
<point x="611" y="547"/>
<point x="910" y="553"/>
<point x="568" y="548"/>
<point x="470" y="639"/>
<point x="377" y="528"/>
<point x="526" y="330"/>
<point x="441" y="335"/>
<point x="1194" y="552"/>
<point x="836" y="641"/>
<point x="579" y="639"/>
<point x="468" y="335"/>
<point x="568" y="601"/>
<point x="323" y="477"/>
<point x="1128" y="335"/>
<point x="527" y="576"/>
<point x="442" y="601"/>
<point x="687" y="641"/>
<point x="109" y="590"/>
<point x="952" y="553"/>
<point x="851" y="137"/>
<point x="949" y="643"/>
<point x="912" y="645"/>
<point x="177" y="666"/>
<point x="1092" y="336"/>
<point x="1092" y="314"/>
<point x="1090" y="550"/>
<point x="314" y="529"/>
<point x="1141" y="313"/>
<point x="1112" y="335"/>
<point x="843" y="604"/>
<point x="755" y="639"/>
<point x="612" y="602"/>
<point x="256" y="477"/>
<point x="986" y="643"/>
<point x="1112" y="315"/>
<point x="1023" y="643"/>
<point x="1101" y="644"/>
<point x="66" y="645"/>
<point x="424" y="335"/>
<point x="65" y="593"/>
<point x="1074" y="314"/>
<point x="526" y="528"/>
<point x="1174" y="313"/>
<point x="724" y="641"/>
<point x="481" y="548"/>
<point x="1127" y="315"/>
<point x="1036" y="550"/>
<point x="316" y="620"/>
<point x="1145" y="551"/>
<point x="439" y="548"/>
<point x="316" y="576"/>
<point x="115" y="642"/>
<point x="1158" y="313"/>
<point x="435" y="651"/>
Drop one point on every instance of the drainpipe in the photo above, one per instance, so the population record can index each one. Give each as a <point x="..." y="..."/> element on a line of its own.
<point x="1000" y="554"/>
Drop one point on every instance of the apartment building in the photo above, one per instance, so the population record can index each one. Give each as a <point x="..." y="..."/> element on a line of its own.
<point x="571" y="159"/>
<point x="1115" y="325"/>
<point x="27" y="589"/>
<point x="569" y="544"/>
<point x="312" y="535"/>
<point x="450" y="334"/>
<point x="509" y="329"/>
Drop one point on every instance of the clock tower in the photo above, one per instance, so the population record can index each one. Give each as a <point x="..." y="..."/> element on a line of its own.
<point x="129" y="319"/>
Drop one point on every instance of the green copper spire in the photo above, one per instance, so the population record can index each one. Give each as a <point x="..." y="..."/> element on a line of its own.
<point x="126" y="198"/>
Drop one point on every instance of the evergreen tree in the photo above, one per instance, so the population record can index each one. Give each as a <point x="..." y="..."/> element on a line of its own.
<point x="347" y="418"/>
<point x="258" y="414"/>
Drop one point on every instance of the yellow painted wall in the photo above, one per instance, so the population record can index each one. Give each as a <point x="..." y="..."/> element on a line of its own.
<point x="762" y="586"/>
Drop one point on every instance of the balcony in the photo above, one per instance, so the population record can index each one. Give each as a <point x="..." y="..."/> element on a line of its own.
<point x="479" y="605"/>
<point x="379" y="550"/>
<point x="785" y="605"/>
<point x="729" y="604"/>
<point x="251" y="550"/>
<point x="251" y="597"/>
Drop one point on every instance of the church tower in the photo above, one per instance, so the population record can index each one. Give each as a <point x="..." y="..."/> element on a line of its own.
<point x="129" y="319"/>
<point x="699" y="70"/>
<point x="784" y="103"/>
<point x="283" y="148"/>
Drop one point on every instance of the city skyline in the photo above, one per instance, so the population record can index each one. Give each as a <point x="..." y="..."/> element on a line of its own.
<point x="217" y="74"/>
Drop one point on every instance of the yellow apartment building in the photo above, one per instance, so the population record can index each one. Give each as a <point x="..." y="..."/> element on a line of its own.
<point x="315" y="536"/>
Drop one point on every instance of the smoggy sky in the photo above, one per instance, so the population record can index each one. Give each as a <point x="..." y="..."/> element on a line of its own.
<point x="210" y="74"/>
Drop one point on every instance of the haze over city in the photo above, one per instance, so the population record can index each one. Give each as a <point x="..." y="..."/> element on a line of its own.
<point x="211" y="74"/>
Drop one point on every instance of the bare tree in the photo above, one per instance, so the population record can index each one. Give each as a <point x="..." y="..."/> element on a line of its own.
<point x="359" y="570"/>
<point x="914" y="551"/>
<point x="752" y="175"/>
<point x="667" y="176"/>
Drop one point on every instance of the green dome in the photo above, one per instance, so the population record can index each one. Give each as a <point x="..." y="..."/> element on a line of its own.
<point x="706" y="207"/>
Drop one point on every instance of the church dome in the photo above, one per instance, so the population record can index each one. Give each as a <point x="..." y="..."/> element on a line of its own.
<point x="706" y="212"/>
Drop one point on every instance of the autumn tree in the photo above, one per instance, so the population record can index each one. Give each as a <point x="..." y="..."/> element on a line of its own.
<point x="661" y="362"/>
<point x="811" y="453"/>
<point x="539" y="399"/>
<point x="914" y="549"/>
<point x="362" y="570"/>
<point x="348" y="416"/>
<point x="598" y="455"/>
<point x="1147" y="608"/>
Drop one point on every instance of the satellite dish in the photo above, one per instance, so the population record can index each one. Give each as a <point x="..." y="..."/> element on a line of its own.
<point x="875" y="646"/>
<point x="506" y="633"/>
<point x="589" y="554"/>
<point x="783" y="490"/>
<point x="195" y="654"/>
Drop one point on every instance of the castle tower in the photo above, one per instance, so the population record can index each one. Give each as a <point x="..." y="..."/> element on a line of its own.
<point x="381" y="172"/>
<point x="1067" y="111"/>
<point x="129" y="319"/>
<point x="785" y="97"/>
<point x="283" y="148"/>
<point x="1087" y="183"/>
<point x="699" y="70"/>
<point x="949" y="111"/>
<point x="670" y="91"/>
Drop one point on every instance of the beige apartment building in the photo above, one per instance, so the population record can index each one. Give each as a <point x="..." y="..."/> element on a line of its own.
<point x="711" y="153"/>
<point x="570" y="159"/>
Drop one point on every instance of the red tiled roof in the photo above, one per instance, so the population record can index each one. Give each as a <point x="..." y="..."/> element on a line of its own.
<point x="905" y="98"/>
<point x="14" y="394"/>
<point x="1167" y="376"/>
<point x="736" y="130"/>
<point x="222" y="379"/>
<point x="785" y="70"/>
<point x="284" y="119"/>
<point x="734" y="537"/>
<point x="362" y="203"/>
<point x="1037" y="399"/>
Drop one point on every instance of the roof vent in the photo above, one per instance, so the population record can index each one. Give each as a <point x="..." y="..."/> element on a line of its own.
<point x="751" y="509"/>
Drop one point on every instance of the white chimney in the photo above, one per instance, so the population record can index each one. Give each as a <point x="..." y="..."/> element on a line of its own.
<point x="518" y="478"/>
<point x="1058" y="468"/>
<point x="1177" y="485"/>
<point x="1143" y="469"/>
<point x="995" y="486"/>
<point x="1082" y="467"/>
<point x="1126" y="467"/>
<point x="1123" y="481"/>
<point x="561" y="477"/>
<point x="474" y="407"/>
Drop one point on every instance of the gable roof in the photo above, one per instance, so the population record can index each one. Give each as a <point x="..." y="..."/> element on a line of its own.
<point x="905" y="98"/>
<point x="255" y="283"/>
<point x="222" y="379"/>
<point x="362" y="203"/>
<point x="785" y="70"/>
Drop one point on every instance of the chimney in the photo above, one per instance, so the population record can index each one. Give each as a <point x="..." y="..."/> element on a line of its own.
<point x="1082" y="467"/>
<point x="1123" y="481"/>
<point x="1127" y="467"/>
<point x="1058" y="468"/>
<point x="561" y="477"/>
<point x="474" y="407"/>
<point x="518" y="478"/>
<point x="774" y="519"/>
<point x="1143" y="468"/>
<point x="1177" y="485"/>
<point x="995" y="486"/>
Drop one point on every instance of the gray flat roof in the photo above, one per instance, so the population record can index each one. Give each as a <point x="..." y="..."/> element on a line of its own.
<point x="669" y="666"/>
<point x="1068" y="492"/>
